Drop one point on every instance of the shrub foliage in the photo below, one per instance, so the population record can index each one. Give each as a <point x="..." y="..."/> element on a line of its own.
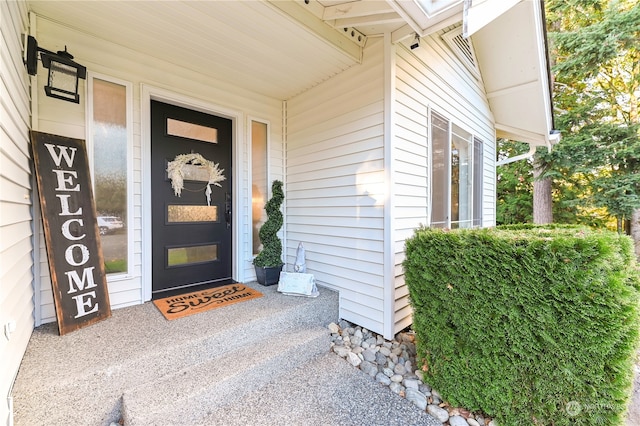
<point x="533" y="326"/>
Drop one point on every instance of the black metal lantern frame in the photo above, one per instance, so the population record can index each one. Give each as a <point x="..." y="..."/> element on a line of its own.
<point x="64" y="73"/>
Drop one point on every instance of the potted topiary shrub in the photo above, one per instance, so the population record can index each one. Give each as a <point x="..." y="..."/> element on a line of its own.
<point x="268" y="263"/>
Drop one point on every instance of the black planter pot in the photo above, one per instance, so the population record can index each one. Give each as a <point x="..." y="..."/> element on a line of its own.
<point x="268" y="275"/>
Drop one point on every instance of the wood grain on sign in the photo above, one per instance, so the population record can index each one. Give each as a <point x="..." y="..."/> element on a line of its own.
<point x="71" y="233"/>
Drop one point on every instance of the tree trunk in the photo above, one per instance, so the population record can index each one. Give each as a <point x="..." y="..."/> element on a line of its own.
<point x="635" y="231"/>
<point x="542" y="201"/>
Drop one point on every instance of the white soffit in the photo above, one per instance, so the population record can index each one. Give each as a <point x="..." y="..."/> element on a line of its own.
<point x="512" y="58"/>
<point x="304" y="17"/>
<point x="482" y="12"/>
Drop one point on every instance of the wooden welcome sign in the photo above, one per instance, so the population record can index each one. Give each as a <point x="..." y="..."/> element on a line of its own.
<point x="71" y="232"/>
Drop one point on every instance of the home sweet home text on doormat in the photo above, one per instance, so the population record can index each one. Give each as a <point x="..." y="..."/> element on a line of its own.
<point x="174" y="307"/>
<point x="76" y="265"/>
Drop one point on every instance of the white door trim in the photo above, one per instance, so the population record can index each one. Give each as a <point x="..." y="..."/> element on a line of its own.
<point x="148" y="93"/>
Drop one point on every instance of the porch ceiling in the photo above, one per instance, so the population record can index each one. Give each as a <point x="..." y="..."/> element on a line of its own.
<point x="257" y="45"/>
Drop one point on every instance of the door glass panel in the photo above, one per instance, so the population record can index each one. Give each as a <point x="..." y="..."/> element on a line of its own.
<point x="182" y="214"/>
<point x="187" y="130"/>
<point x="193" y="254"/>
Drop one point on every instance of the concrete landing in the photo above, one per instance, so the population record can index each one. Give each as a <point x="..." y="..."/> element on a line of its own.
<point x="261" y="362"/>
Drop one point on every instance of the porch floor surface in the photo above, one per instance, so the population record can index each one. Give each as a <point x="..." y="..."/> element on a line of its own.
<point x="265" y="361"/>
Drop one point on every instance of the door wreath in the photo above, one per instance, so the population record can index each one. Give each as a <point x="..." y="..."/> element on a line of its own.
<point x="175" y="170"/>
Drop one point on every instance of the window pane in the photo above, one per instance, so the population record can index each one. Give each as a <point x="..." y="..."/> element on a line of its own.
<point x="187" y="130"/>
<point x="439" y="170"/>
<point x="478" y="172"/>
<point x="110" y="171"/>
<point x="460" y="178"/>
<point x="182" y="214"/>
<point x="434" y="6"/>
<point x="259" y="176"/>
<point x="194" y="254"/>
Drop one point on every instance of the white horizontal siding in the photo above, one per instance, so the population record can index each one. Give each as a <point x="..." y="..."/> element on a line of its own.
<point x="430" y="78"/>
<point x="336" y="186"/>
<point x="16" y="247"/>
<point x="125" y="64"/>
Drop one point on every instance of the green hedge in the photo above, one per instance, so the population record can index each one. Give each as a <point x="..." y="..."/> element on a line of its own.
<point x="533" y="326"/>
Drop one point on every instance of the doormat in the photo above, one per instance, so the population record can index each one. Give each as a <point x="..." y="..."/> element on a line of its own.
<point x="200" y="301"/>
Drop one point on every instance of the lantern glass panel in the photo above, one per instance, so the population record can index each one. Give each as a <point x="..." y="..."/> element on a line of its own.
<point x="63" y="77"/>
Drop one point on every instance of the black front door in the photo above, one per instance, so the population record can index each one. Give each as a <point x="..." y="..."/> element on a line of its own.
<point x="191" y="241"/>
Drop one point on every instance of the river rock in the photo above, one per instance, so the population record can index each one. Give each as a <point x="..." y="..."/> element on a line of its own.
<point x="397" y="378"/>
<point x="369" y="368"/>
<point x="369" y="355"/>
<point x="341" y="351"/>
<point x="418" y="399"/>
<point x="382" y="378"/>
<point x="354" y="359"/>
<point x="385" y="351"/>
<point x="457" y="421"/>
<point x="396" y="387"/>
<point x="439" y="413"/>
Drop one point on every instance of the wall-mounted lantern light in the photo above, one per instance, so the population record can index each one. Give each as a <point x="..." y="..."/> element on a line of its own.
<point x="63" y="71"/>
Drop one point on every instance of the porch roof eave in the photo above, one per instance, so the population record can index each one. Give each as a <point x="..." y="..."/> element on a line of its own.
<point x="513" y="57"/>
<point x="509" y="37"/>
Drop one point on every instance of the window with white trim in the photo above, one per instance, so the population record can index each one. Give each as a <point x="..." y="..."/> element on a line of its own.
<point x="110" y="138"/>
<point x="478" y="181"/>
<point x="456" y="175"/>
<point x="259" y="179"/>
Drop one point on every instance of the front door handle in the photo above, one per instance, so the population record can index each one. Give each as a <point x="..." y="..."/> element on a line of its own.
<point x="227" y="209"/>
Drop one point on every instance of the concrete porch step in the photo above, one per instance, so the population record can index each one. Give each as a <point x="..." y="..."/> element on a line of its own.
<point x="80" y="378"/>
<point x="187" y="396"/>
<point x="249" y="327"/>
<point x="325" y="392"/>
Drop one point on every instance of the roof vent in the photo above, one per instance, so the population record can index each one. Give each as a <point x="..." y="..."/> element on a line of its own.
<point x="463" y="49"/>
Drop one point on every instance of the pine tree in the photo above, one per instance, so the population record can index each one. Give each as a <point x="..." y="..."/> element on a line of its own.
<point x="596" y="50"/>
<point x="514" y="185"/>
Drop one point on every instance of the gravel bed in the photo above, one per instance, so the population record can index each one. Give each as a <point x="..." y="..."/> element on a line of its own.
<point x="393" y="364"/>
